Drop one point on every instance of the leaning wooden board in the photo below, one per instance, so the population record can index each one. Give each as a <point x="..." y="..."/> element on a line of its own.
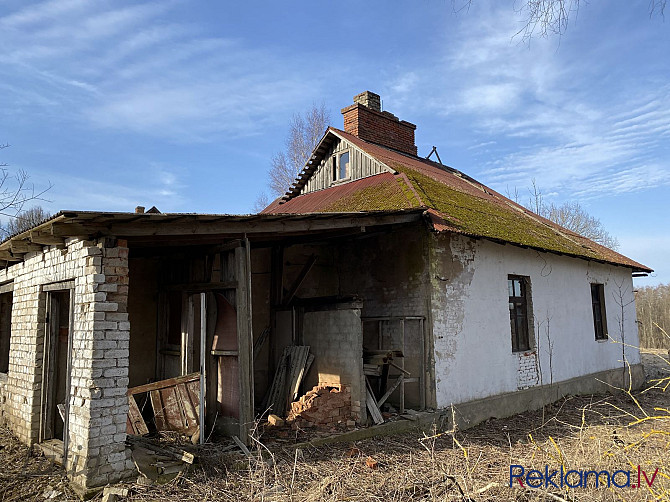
<point x="175" y="403"/>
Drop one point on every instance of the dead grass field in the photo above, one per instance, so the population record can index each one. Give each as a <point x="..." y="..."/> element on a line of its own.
<point x="611" y="432"/>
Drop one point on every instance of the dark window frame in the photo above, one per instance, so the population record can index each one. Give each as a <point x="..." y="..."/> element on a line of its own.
<point x="599" y="311"/>
<point x="519" y="312"/>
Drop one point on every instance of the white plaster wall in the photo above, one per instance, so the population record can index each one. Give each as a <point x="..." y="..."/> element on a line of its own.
<point x="471" y="326"/>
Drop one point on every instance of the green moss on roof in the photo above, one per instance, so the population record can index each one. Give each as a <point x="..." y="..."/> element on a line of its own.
<point x="481" y="217"/>
<point x="392" y="195"/>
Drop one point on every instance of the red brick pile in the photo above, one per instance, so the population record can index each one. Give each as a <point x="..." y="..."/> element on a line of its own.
<point x="324" y="405"/>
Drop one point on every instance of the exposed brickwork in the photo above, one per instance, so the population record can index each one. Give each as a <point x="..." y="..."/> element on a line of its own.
<point x="323" y="406"/>
<point x="527" y="375"/>
<point x="100" y="341"/>
<point x="369" y="99"/>
<point x="365" y="120"/>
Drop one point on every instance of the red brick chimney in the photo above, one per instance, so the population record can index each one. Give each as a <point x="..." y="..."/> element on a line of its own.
<point x="366" y="120"/>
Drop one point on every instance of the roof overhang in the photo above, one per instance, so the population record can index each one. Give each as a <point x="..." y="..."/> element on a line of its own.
<point x="188" y="228"/>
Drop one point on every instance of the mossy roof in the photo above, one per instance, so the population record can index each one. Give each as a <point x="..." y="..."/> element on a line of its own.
<point x="454" y="202"/>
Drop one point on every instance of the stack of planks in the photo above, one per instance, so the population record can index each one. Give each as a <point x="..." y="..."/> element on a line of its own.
<point x="293" y="366"/>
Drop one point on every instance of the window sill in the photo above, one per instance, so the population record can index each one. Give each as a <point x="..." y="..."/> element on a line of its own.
<point x="340" y="182"/>
<point x="602" y="340"/>
<point x="529" y="352"/>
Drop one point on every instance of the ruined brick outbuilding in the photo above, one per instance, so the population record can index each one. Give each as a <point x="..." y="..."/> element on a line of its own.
<point x="374" y="254"/>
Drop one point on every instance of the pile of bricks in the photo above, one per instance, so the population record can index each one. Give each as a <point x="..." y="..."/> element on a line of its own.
<point x="324" y="405"/>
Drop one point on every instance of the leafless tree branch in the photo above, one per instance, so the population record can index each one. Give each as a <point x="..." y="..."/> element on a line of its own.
<point x="304" y="133"/>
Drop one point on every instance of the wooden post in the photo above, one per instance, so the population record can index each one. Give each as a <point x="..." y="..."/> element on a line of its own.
<point x="203" y="361"/>
<point x="402" y="365"/>
<point x="68" y="383"/>
<point x="245" y="338"/>
<point x="187" y="332"/>
<point x="422" y="377"/>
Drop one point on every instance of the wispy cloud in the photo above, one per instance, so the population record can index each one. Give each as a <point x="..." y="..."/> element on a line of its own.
<point x="130" y="68"/>
<point x="549" y="120"/>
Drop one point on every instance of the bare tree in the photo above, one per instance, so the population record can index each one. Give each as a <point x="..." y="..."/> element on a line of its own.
<point x="552" y="17"/>
<point x="261" y="202"/>
<point x="653" y="315"/>
<point x="15" y="192"/>
<point x="570" y="215"/>
<point x="304" y="132"/>
<point x="25" y="220"/>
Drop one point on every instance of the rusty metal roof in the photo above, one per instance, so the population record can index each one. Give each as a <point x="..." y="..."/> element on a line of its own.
<point x="454" y="202"/>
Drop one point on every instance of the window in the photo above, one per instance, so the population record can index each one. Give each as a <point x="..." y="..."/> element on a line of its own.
<point x="5" y="329"/>
<point x="518" y="312"/>
<point x="341" y="166"/>
<point x="598" y="307"/>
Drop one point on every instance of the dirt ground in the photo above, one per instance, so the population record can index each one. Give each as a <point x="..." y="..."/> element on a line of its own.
<point x="602" y="432"/>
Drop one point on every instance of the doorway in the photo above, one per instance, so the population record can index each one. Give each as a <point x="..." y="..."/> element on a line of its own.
<point x="56" y="367"/>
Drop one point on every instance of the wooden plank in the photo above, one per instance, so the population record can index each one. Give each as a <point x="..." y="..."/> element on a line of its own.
<point x="190" y="412"/>
<point x="258" y="344"/>
<point x="202" y="286"/>
<point x="163" y="383"/>
<point x="299" y="358"/>
<point x="135" y="424"/>
<point x="402" y="366"/>
<point x="159" y="413"/>
<point x="187" y="334"/>
<point x="242" y="446"/>
<point x="275" y="401"/>
<point x="300" y="279"/>
<point x="395" y="385"/>
<point x="165" y="449"/>
<point x="403" y="370"/>
<point x="203" y="362"/>
<point x="372" y="406"/>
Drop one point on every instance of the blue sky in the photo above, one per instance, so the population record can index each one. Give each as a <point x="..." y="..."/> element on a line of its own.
<point x="182" y="104"/>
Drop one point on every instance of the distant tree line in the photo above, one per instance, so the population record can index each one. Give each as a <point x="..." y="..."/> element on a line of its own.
<point x="653" y="316"/>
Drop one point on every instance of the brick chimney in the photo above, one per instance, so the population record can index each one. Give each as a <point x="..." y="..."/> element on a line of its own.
<point x="366" y="120"/>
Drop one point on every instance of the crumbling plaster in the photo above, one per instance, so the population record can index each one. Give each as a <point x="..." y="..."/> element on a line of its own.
<point x="471" y="327"/>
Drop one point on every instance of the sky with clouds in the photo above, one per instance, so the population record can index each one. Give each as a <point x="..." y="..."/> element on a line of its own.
<point x="182" y="104"/>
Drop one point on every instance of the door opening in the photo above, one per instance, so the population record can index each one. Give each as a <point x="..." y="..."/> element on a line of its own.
<point x="56" y="376"/>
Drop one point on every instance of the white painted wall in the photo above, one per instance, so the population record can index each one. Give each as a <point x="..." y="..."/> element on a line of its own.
<point x="471" y="326"/>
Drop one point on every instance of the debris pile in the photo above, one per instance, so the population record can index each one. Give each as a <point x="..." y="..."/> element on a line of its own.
<point x="324" y="405"/>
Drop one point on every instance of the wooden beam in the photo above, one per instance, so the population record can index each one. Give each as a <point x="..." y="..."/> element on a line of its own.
<point x="388" y="393"/>
<point x="23" y="246"/>
<point x="9" y="256"/>
<point x="201" y="286"/>
<point x="45" y="239"/>
<point x="300" y="279"/>
<point x="163" y="383"/>
<point x="224" y="226"/>
<point x="244" y="340"/>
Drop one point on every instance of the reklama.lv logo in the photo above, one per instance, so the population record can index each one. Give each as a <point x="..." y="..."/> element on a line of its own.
<point x="559" y="478"/>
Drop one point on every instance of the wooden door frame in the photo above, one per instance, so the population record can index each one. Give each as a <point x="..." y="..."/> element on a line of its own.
<point x="47" y="406"/>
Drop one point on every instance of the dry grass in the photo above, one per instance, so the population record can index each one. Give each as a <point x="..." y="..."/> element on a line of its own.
<point x="610" y="432"/>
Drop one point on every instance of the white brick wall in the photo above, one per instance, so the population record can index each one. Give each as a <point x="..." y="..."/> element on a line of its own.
<point x="100" y="341"/>
<point x="527" y="375"/>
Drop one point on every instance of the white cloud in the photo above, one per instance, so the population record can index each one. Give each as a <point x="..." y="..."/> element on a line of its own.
<point x="132" y="69"/>
<point x="553" y="118"/>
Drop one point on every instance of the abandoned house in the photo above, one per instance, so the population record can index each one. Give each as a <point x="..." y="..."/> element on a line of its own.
<point x="382" y="276"/>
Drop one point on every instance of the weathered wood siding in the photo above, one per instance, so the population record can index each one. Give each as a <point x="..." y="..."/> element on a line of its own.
<point x="360" y="166"/>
